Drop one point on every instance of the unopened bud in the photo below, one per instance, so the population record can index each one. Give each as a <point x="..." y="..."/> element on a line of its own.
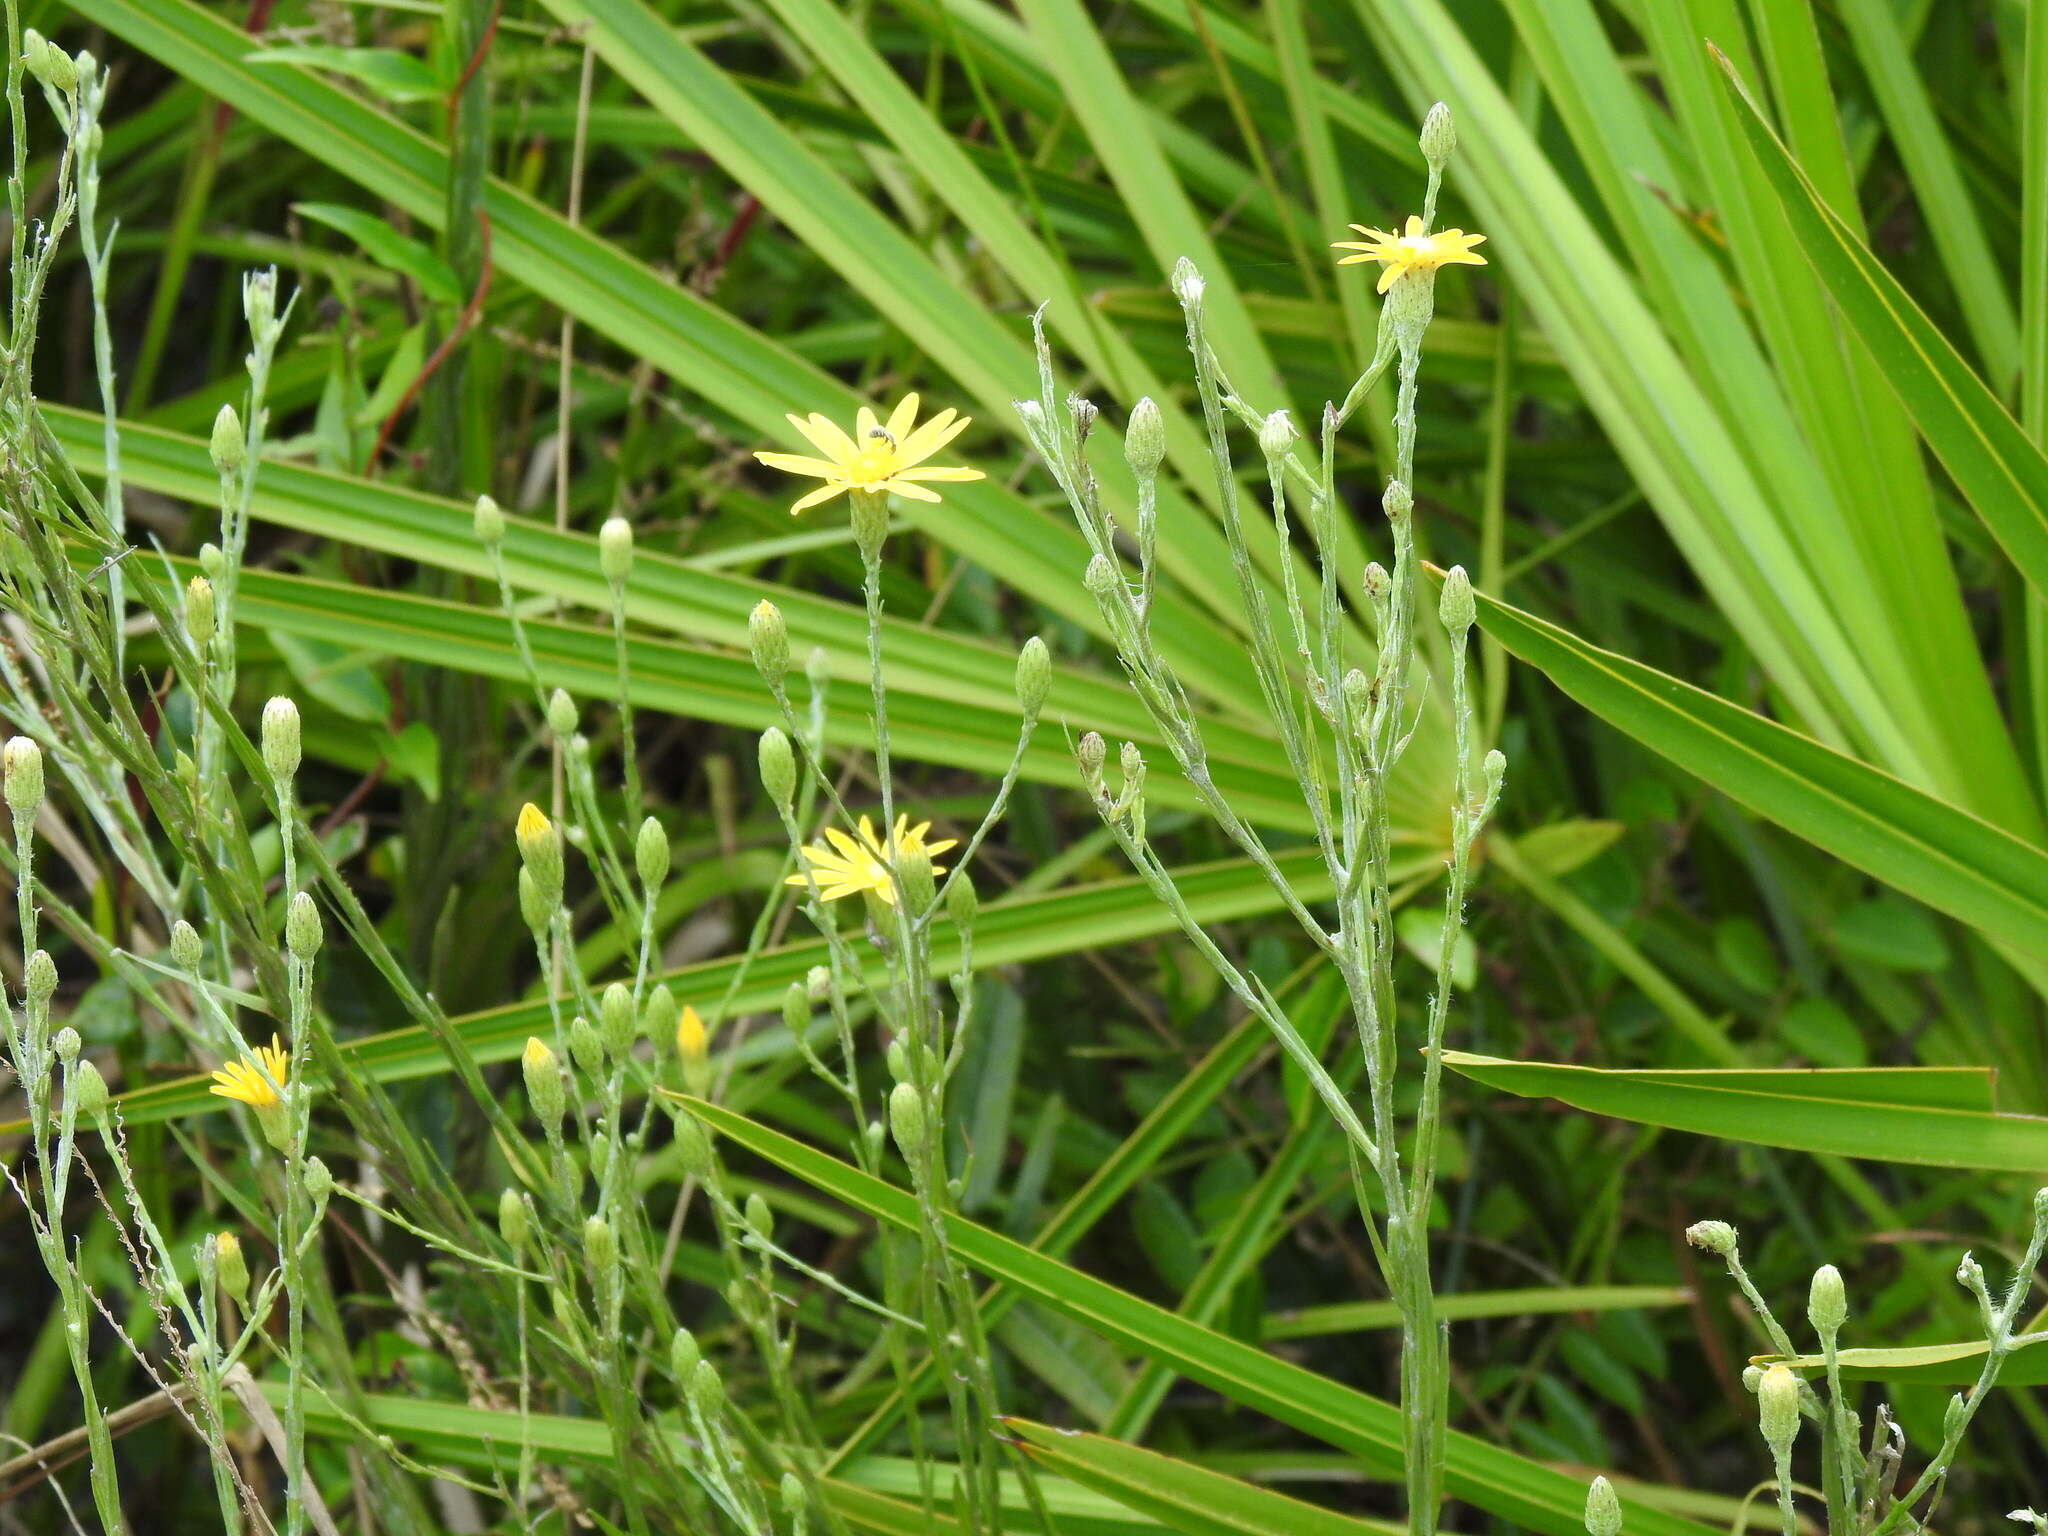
<point x="534" y="907"/>
<point x="1089" y="752"/>
<point x="231" y="1266"/>
<point x="1455" y="606"/>
<point x="707" y="1390"/>
<point x="186" y="949"/>
<point x="693" y="1147"/>
<point x="693" y="1048"/>
<point x="21" y="773"/>
<point x="88" y="1091"/>
<point x="794" y="1499"/>
<point x="818" y="982"/>
<point x="615" y="551"/>
<point x="515" y="1226"/>
<point x="211" y="561"/>
<point x="906" y="1118"/>
<point x="280" y="734"/>
<point x="199" y="613"/>
<point x="913" y="870"/>
<point x="1713" y="1236"/>
<point x="600" y="1248"/>
<point x="650" y="855"/>
<point x="562" y="714"/>
<point x="585" y="1049"/>
<point x="1397" y="501"/>
<point x="683" y="1354"/>
<point x="1187" y="283"/>
<point x="1034" y="676"/>
<point x="66" y="1044"/>
<point x="796" y="1008"/>
<point x="543" y="1074"/>
<point x="778" y="766"/>
<point x="1439" y="138"/>
<point x="1145" y="439"/>
<point x="319" y="1181"/>
<point x="50" y="64"/>
<point x="1827" y="1302"/>
<point x="488" y="522"/>
<point x="1603" y="1509"/>
<point x="540" y="850"/>
<point x="1777" y="1409"/>
<point x="1276" y="435"/>
<point x="39" y="978"/>
<point x="618" y="1019"/>
<point x="1100" y="578"/>
<point x="962" y="904"/>
<point x="760" y="1220"/>
<point x="228" y="447"/>
<point x="1955" y="1416"/>
<point x="302" y="927"/>
<point x="658" y="1018"/>
<point x="1494" y="766"/>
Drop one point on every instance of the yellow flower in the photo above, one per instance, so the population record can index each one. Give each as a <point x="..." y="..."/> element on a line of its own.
<point x="851" y="865"/>
<point x="1410" y="251"/>
<point x="691" y="1040"/>
<point x="878" y="457"/>
<point x="244" y="1080"/>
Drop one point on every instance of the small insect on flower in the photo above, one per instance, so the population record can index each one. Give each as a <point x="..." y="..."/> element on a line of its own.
<point x="1413" y="250"/>
<point x="878" y="457"/>
<point x="852" y="865"/>
<point x="244" y="1080"/>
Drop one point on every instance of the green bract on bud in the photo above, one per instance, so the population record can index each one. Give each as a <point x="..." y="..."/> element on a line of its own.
<point x="66" y="1044"/>
<point x="600" y="1248"/>
<point x="186" y="949"/>
<point x="1455" y="607"/>
<point x="540" y="851"/>
<point x="1187" y="283"/>
<point x="280" y="732"/>
<point x="1955" y="1416"/>
<point x="658" y="1018"/>
<point x="961" y="902"/>
<point x="1777" y="1409"/>
<point x="302" y="928"/>
<point x="1827" y="1302"/>
<point x="489" y="523"/>
<point x="618" y="1020"/>
<point x="897" y="1058"/>
<point x="760" y="1220"/>
<point x="693" y="1147"/>
<point x="707" y="1390"/>
<point x="1145" y="439"/>
<point x="768" y="638"/>
<point x="562" y="714"/>
<point x="796" y="1008"/>
<point x="1603" y="1509"/>
<point x="818" y="982"/>
<point x="600" y="1155"/>
<point x="1714" y="1236"/>
<point x="228" y="447"/>
<point x="88" y="1091"/>
<point x="199" y="612"/>
<point x="1089" y="753"/>
<point x="794" y="1499"/>
<point x="1494" y="766"/>
<point x="585" y="1048"/>
<point x="39" y="978"/>
<point x="231" y="1266"/>
<point x="906" y="1118"/>
<point x="1439" y="138"/>
<point x="683" y="1355"/>
<point x="515" y="1226"/>
<point x="534" y="908"/>
<point x="650" y="855"/>
<point x="615" y="551"/>
<point x="543" y="1074"/>
<point x="211" y="561"/>
<point x="1034" y="676"/>
<point x="50" y="64"/>
<point x="21" y="773"/>
<point x="1396" y="501"/>
<point x="319" y="1182"/>
<point x="1276" y="435"/>
<point x="913" y="867"/>
<point x="1100" y="578"/>
<point x="778" y="766"/>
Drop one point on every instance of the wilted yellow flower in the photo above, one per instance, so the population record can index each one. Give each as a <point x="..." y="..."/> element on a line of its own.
<point x="244" y="1080"/>
<point x="878" y="457"/>
<point x="1413" y="250"/>
<point x="850" y="866"/>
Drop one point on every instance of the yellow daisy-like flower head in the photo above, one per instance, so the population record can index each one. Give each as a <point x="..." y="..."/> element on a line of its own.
<point x="244" y="1081"/>
<point x="879" y="456"/>
<point x="1413" y="250"/>
<point x="851" y="865"/>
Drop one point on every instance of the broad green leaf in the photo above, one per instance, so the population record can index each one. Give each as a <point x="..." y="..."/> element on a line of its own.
<point x="1189" y="1499"/>
<point x="1932" y="1116"/>
<point x="1998" y="468"/>
<point x="1497" y="1481"/>
<point x="1904" y="836"/>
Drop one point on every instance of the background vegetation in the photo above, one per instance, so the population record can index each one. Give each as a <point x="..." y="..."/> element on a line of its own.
<point x="1756" y="414"/>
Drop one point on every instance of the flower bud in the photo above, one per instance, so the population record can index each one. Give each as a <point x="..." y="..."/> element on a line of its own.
<point x="1100" y="578"/>
<point x="199" y="613"/>
<point x="1827" y="1302"/>
<point x="259" y="299"/>
<point x="906" y="1118"/>
<point x="898" y="1059"/>
<point x="693" y="1049"/>
<point x="302" y="927"/>
<point x="794" y="1499"/>
<point x="231" y="1266"/>
<point x="1439" y="138"/>
<point x="913" y="870"/>
<point x="658" y="1018"/>
<point x="1714" y="1236"/>
<point x="1145" y="439"/>
<point x="615" y="551"/>
<point x="796" y="1008"/>
<point x="618" y="1019"/>
<point x="818" y="982"/>
<point x="778" y="766"/>
<point x="683" y="1354"/>
<point x="600" y="1155"/>
<point x="562" y="714"/>
<point x="693" y="1147"/>
<point x="540" y="850"/>
<point x="1397" y="501"/>
<point x="21" y="773"/>
<point x="88" y="1091"/>
<point x="186" y="949"/>
<point x="1494" y="766"/>
<point x="39" y="978"/>
<point x="650" y="855"/>
<point x="1034" y="676"/>
<point x="228" y="447"/>
<point x="600" y="1249"/>
<point x="585" y="1049"/>
<point x="1276" y="435"/>
<point x="1777" y="1409"/>
<point x="533" y="905"/>
<point x="1955" y="1416"/>
<point x="1089" y="752"/>
<point x="51" y="65"/>
<point x="319" y="1182"/>
<point x="1455" y="606"/>
<point x="760" y="1220"/>
<point x="211" y="561"/>
<point x="1603" y="1509"/>
<point x="962" y="905"/>
<point x="543" y="1075"/>
<point x="488" y="523"/>
<point x="514" y="1225"/>
<point x="280" y="733"/>
<point x="1187" y="283"/>
<point x="707" y="1390"/>
<point x="66" y="1044"/>
<point x="1083" y="412"/>
<point x="1377" y="583"/>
